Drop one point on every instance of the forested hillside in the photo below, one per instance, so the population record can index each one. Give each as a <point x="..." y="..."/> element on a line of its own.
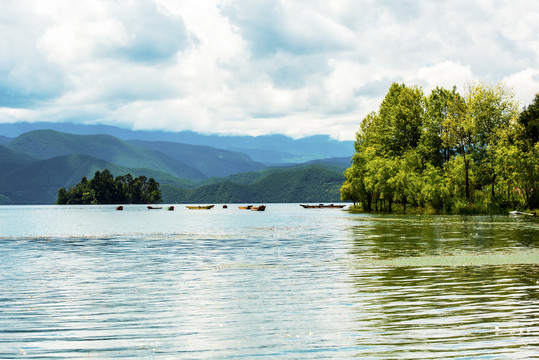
<point x="450" y="152"/>
<point x="208" y="160"/>
<point x="47" y="144"/>
<point x="4" y="139"/>
<point x="313" y="183"/>
<point x="38" y="182"/>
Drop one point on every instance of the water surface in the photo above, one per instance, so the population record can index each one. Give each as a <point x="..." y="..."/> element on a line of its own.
<point x="294" y="283"/>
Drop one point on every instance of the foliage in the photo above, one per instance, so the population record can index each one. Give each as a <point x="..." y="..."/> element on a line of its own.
<point x="448" y="152"/>
<point x="105" y="189"/>
<point x="312" y="183"/>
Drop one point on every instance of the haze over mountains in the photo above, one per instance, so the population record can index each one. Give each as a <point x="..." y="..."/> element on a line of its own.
<point x="36" y="163"/>
<point x="267" y="149"/>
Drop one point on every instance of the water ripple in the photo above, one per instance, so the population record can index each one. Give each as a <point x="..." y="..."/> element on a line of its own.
<point x="293" y="285"/>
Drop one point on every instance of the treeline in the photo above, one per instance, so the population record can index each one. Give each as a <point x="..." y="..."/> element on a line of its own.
<point x="452" y="153"/>
<point x="105" y="189"/>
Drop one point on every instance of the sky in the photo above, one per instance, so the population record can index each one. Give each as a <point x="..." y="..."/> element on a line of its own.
<point x="252" y="67"/>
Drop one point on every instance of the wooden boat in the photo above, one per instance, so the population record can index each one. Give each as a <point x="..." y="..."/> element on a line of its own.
<point x="521" y="213"/>
<point x="154" y="207"/>
<point x="258" y="208"/>
<point x="200" y="207"/>
<point x="120" y="207"/>
<point x="322" y="206"/>
<point x="170" y="208"/>
<point x="248" y="207"/>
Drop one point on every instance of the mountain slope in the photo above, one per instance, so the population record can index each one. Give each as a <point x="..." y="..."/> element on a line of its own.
<point x="4" y="139"/>
<point x="38" y="182"/>
<point x="268" y="149"/>
<point x="47" y="144"/>
<point x="10" y="159"/>
<point x="209" y="160"/>
<point x="298" y="184"/>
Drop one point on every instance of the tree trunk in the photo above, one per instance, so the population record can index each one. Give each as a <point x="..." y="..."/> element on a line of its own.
<point x="404" y="203"/>
<point x="466" y="163"/>
<point x="493" y="182"/>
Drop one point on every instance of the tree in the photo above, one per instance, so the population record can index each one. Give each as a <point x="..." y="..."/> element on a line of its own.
<point x="447" y="151"/>
<point x="104" y="189"/>
<point x="431" y="146"/>
<point x="529" y="122"/>
<point x="401" y="115"/>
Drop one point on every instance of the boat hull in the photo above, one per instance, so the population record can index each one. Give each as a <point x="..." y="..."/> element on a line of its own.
<point x="322" y="206"/>
<point x="202" y="207"/>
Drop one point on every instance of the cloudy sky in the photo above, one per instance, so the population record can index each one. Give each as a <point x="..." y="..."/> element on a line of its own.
<point x="295" y="67"/>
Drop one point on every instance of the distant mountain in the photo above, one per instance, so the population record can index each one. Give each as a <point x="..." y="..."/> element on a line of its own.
<point x="10" y="159"/>
<point x="209" y="160"/>
<point x="35" y="164"/>
<point x="312" y="183"/>
<point x="4" y="139"/>
<point x="268" y="149"/>
<point x="38" y="182"/>
<point x="47" y="144"/>
<point x="336" y="165"/>
<point x="343" y="162"/>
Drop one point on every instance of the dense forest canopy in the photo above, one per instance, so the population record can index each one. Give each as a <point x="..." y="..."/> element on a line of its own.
<point x="105" y="189"/>
<point x="450" y="152"/>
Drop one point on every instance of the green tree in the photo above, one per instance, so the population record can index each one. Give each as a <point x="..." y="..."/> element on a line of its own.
<point x="431" y="146"/>
<point x="446" y="151"/>
<point x="529" y="124"/>
<point x="401" y="115"/>
<point x="104" y="189"/>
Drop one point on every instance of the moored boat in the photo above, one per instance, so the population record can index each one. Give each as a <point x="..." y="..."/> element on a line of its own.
<point x="120" y="207"/>
<point x="322" y="206"/>
<point x="521" y="213"/>
<point x="248" y="207"/>
<point x="170" y="208"/>
<point x="258" y="208"/>
<point x="154" y="207"/>
<point x="200" y="207"/>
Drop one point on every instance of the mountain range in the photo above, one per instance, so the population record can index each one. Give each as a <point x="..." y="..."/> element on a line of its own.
<point x="267" y="149"/>
<point x="35" y="164"/>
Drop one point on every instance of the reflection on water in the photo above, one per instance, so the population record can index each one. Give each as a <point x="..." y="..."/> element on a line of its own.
<point x="448" y="312"/>
<point x="287" y="283"/>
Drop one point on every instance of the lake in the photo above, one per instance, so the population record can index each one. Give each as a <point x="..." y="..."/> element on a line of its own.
<point x="290" y="283"/>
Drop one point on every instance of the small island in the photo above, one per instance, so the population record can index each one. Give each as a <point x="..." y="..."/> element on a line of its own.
<point x="105" y="189"/>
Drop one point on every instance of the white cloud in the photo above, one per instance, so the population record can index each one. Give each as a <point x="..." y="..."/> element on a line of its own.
<point x="444" y="74"/>
<point x="525" y="84"/>
<point x="296" y="67"/>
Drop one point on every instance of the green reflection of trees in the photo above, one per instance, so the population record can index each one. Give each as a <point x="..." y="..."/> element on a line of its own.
<point x="392" y="236"/>
<point x="446" y="312"/>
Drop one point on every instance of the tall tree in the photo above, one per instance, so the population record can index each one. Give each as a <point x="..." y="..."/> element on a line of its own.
<point x="529" y="122"/>
<point x="401" y="115"/>
<point x="431" y="147"/>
